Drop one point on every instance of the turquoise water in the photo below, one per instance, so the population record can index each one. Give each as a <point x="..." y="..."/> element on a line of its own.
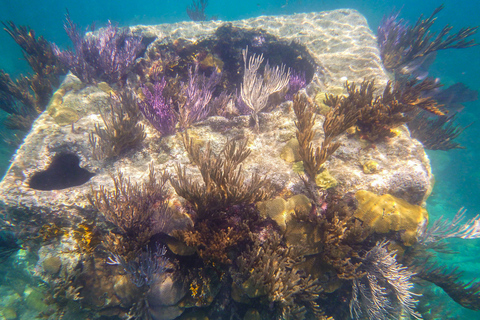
<point x="457" y="173"/>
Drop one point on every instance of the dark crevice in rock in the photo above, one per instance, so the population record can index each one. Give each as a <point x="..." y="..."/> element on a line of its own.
<point x="63" y="172"/>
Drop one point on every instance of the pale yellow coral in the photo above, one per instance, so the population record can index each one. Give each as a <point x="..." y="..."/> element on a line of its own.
<point x="370" y="166"/>
<point x="290" y="152"/>
<point x="61" y="114"/>
<point x="387" y="213"/>
<point x="325" y="180"/>
<point x="281" y="210"/>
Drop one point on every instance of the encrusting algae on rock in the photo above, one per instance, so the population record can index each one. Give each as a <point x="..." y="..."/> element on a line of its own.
<point x="387" y="213"/>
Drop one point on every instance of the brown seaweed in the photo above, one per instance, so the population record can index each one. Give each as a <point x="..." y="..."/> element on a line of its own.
<point x="138" y="211"/>
<point x="122" y="128"/>
<point x="224" y="183"/>
<point x="436" y="133"/>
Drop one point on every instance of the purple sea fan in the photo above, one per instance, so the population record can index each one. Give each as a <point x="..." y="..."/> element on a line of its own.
<point x="156" y="109"/>
<point x="107" y="56"/>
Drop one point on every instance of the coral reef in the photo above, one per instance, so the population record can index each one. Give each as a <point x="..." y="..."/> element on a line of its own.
<point x="268" y="271"/>
<point x="224" y="184"/>
<point x="276" y="220"/>
<point x="221" y="218"/>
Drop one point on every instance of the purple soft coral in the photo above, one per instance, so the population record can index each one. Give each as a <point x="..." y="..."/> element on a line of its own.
<point x="296" y="83"/>
<point x="107" y="56"/>
<point x="391" y="30"/>
<point x="197" y="92"/>
<point x="156" y="109"/>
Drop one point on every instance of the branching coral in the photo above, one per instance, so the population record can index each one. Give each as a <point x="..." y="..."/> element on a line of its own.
<point x="143" y="268"/>
<point x="335" y="237"/>
<point x="312" y="158"/>
<point x="222" y="211"/>
<point x="378" y="115"/>
<point x="336" y="121"/>
<point x="122" y="129"/>
<point x="27" y="97"/>
<point x="157" y="109"/>
<point x="138" y="211"/>
<point x="191" y="99"/>
<point x="224" y="184"/>
<point x="436" y="133"/>
<point x="39" y="55"/>
<point x="255" y="89"/>
<point x="465" y="294"/>
<point x="385" y="291"/>
<point x="270" y="272"/>
<point x="196" y="11"/>
<point x="420" y="258"/>
<point x="196" y="94"/>
<point x="444" y="229"/>
<point x="108" y="56"/>
<point x="16" y="100"/>
<point x="401" y="44"/>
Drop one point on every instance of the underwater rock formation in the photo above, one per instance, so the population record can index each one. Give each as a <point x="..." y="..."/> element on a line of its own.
<point x="343" y="30"/>
<point x="224" y="165"/>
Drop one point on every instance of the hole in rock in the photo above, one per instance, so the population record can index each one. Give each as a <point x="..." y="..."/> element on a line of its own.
<point x="63" y="172"/>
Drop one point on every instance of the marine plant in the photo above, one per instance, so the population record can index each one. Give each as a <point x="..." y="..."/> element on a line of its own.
<point x="121" y="131"/>
<point x="385" y="290"/>
<point x="156" y="108"/>
<point x="25" y="98"/>
<point x="256" y="89"/>
<point x="138" y="211"/>
<point x="336" y="121"/>
<point x="107" y="56"/>
<point x="270" y="273"/>
<point x="224" y="184"/>
<point x="378" y="115"/>
<point x="436" y="133"/>
<point x="402" y="45"/>
<point x="196" y="11"/>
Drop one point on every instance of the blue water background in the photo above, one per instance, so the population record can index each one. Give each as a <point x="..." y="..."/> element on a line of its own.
<point x="457" y="172"/>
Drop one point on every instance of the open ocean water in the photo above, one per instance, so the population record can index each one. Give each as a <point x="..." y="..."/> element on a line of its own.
<point x="457" y="172"/>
